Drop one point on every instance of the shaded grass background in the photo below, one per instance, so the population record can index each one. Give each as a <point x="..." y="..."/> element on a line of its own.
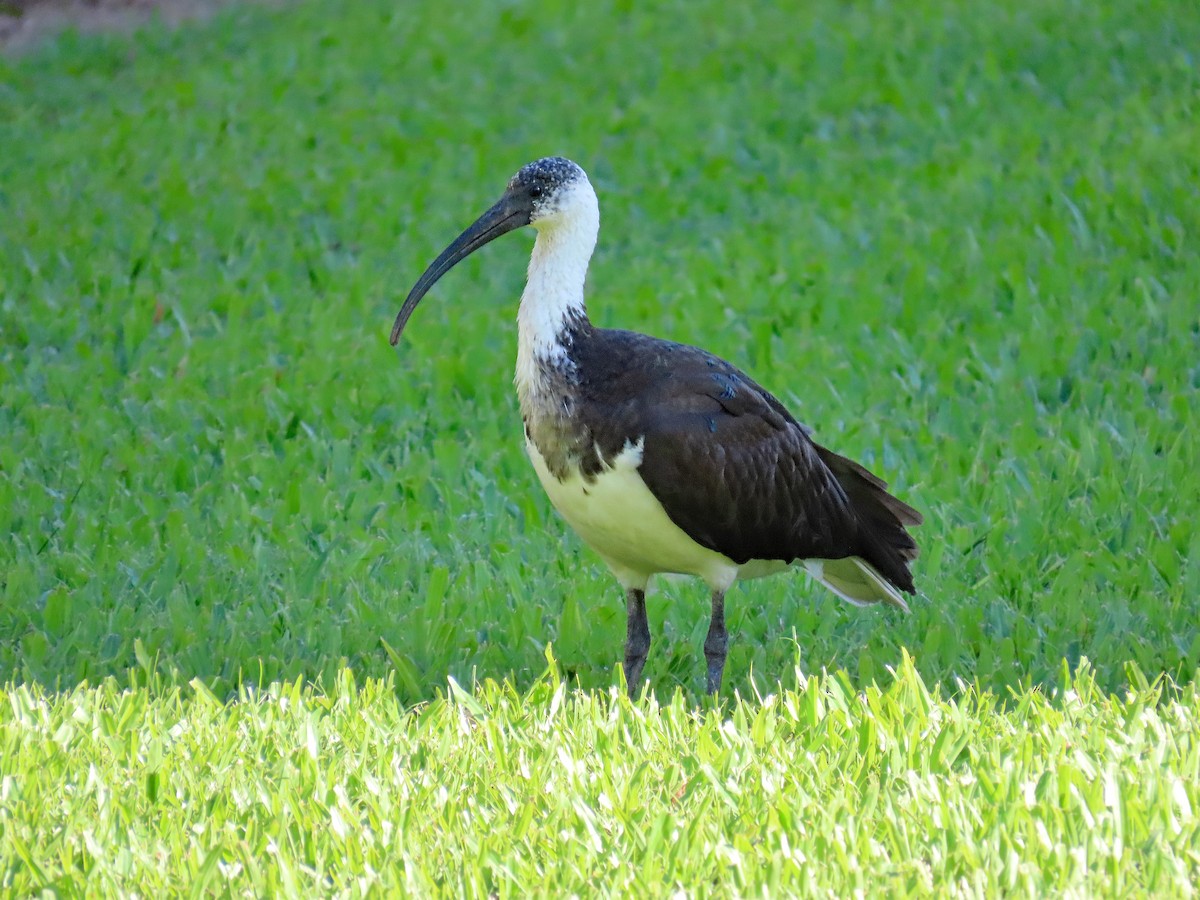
<point x="959" y="241"/>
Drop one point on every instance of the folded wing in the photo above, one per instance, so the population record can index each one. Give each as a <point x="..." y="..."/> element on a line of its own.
<point x="736" y="472"/>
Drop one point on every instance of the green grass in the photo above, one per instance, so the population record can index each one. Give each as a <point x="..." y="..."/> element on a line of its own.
<point x="819" y="790"/>
<point x="958" y="240"/>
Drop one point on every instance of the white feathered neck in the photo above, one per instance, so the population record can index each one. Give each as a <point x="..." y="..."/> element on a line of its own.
<point x="553" y="295"/>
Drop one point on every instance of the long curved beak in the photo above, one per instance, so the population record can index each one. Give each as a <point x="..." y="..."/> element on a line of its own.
<point x="507" y="215"/>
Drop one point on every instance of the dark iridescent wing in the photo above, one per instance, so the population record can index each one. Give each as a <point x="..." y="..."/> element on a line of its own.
<point x="731" y="466"/>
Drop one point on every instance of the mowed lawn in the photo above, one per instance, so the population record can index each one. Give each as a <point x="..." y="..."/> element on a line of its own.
<point x="283" y="609"/>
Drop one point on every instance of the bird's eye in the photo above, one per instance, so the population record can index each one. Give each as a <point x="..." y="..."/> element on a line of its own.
<point x="535" y="191"/>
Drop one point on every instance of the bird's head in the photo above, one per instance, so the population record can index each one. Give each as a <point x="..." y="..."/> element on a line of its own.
<point x="554" y="189"/>
<point x="547" y="194"/>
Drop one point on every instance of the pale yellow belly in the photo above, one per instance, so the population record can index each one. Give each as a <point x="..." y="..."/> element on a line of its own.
<point x="618" y="517"/>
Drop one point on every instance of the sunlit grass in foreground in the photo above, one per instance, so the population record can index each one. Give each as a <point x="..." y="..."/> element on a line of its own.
<point x="815" y="789"/>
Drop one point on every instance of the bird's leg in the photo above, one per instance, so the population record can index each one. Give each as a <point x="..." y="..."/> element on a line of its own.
<point x="716" y="643"/>
<point x="637" y="639"/>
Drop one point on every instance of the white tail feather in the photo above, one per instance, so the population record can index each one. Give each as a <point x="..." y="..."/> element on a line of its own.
<point x="855" y="580"/>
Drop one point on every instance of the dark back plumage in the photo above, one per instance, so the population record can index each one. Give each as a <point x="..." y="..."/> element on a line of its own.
<point x="727" y="461"/>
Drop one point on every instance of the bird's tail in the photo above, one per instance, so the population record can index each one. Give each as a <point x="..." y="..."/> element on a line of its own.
<point x="884" y="545"/>
<point x="855" y="580"/>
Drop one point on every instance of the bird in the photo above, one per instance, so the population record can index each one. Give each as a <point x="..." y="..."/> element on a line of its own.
<point x="664" y="458"/>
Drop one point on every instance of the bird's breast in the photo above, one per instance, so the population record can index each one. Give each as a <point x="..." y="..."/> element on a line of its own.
<point x="548" y="393"/>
